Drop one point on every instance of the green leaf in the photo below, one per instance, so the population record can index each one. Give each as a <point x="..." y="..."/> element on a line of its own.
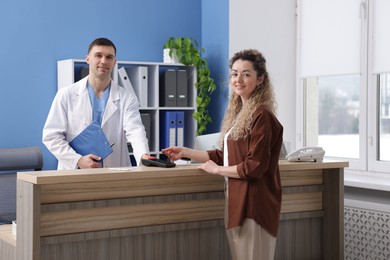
<point x="189" y="53"/>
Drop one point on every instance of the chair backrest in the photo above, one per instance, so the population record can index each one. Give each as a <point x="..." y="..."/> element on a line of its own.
<point x="29" y="158"/>
<point x="11" y="161"/>
<point x="206" y="142"/>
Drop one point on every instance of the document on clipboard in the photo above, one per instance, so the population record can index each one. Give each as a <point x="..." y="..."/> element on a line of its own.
<point x="92" y="140"/>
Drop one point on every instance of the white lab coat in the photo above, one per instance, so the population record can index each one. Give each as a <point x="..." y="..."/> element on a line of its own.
<point x="71" y="113"/>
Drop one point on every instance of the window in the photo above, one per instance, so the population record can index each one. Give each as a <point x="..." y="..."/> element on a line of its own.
<point x="344" y="80"/>
<point x="335" y="103"/>
<point x="384" y="117"/>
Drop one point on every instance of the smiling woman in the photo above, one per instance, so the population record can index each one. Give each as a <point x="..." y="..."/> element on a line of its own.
<point x="244" y="79"/>
<point x="248" y="158"/>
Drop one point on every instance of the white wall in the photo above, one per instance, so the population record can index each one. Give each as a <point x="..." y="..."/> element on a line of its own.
<point x="270" y="27"/>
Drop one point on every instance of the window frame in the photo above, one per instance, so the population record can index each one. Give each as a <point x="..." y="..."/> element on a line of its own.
<point x="369" y="102"/>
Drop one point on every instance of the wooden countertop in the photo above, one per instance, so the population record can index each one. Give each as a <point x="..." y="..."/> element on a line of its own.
<point x="142" y="172"/>
<point x="285" y="165"/>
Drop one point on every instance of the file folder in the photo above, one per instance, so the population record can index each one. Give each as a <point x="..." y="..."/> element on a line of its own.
<point x="139" y="79"/>
<point x="181" y="88"/>
<point x="92" y="140"/>
<point x="84" y="71"/>
<point x="124" y="81"/>
<point x="168" y="129"/>
<point x="168" y="89"/>
<point x="180" y="128"/>
<point x="146" y="121"/>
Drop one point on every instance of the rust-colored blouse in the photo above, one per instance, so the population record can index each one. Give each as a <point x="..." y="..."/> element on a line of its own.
<point x="258" y="192"/>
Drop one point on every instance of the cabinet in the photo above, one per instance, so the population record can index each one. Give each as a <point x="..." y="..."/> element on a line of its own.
<point x="180" y="219"/>
<point x="71" y="70"/>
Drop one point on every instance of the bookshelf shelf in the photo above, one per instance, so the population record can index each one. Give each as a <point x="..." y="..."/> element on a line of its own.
<point x="71" y="70"/>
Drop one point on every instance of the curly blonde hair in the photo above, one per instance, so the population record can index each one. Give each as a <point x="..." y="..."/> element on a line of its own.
<point x="239" y="115"/>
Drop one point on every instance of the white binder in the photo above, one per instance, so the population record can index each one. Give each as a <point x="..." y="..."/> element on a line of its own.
<point x="180" y="130"/>
<point x="139" y="79"/>
<point x="124" y="81"/>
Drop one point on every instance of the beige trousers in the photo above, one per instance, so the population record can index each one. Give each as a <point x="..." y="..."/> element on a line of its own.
<point x="251" y="242"/>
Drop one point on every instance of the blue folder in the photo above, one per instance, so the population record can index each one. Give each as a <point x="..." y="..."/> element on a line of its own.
<point x="92" y="140"/>
<point x="168" y="129"/>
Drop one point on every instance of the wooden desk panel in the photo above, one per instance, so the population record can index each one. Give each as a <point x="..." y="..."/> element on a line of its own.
<point x="109" y="218"/>
<point x="177" y="213"/>
<point x="129" y="188"/>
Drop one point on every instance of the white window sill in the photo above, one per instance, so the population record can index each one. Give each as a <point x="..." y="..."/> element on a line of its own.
<point x="373" y="181"/>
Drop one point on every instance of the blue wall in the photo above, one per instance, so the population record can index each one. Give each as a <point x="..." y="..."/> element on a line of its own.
<point x="215" y="39"/>
<point x="35" y="34"/>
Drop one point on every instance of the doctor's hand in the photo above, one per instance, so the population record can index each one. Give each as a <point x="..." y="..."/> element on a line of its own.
<point x="89" y="161"/>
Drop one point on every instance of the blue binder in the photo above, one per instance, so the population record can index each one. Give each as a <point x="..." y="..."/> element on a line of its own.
<point x="180" y="128"/>
<point x="92" y="140"/>
<point x="168" y="129"/>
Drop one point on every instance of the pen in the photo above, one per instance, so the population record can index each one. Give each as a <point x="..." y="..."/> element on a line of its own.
<point x="112" y="145"/>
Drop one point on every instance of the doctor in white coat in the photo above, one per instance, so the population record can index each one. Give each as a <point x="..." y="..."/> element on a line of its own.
<point x="71" y="112"/>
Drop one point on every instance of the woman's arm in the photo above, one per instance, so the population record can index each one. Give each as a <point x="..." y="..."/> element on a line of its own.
<point x="177" y="152"/>
<point x="213" y="168"/>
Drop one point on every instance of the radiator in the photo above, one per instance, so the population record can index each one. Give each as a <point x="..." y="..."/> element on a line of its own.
<point x="367" y="233"/>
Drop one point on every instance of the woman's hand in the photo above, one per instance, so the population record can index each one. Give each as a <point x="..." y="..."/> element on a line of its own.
<point x="213" y="168"/>
<point x="174" y="152"/>
<point x="148" y="157"/>
<point x="210" y="167"/>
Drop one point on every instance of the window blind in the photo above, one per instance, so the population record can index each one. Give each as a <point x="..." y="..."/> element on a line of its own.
<point x="330" y="37"/>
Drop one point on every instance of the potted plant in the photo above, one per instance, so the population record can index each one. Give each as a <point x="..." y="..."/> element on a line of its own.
<point x="188" y="53"/>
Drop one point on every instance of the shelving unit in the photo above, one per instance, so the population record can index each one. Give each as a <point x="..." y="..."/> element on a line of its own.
<point x="69" y="71"/>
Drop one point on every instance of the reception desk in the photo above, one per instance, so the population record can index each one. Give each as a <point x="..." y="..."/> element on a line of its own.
<point x="157" y="213"/>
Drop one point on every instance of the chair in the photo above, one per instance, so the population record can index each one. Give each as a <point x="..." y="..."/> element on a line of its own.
<point x="11" y="161"/>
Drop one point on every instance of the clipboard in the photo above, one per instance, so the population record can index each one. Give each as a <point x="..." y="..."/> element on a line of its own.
<point x="92" y="140"/>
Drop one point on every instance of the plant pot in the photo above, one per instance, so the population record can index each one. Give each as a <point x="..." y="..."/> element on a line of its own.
<point x="168" y="59"/>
